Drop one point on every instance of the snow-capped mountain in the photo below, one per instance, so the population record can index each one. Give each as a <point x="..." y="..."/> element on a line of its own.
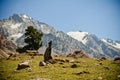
<point x="96" y="44"/>
<point x="14" y="29"/>
<point x="81" y="36"/>
<point x="115" y="44"/>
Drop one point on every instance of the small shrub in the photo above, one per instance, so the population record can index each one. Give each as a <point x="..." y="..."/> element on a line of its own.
<point x="20" y="49"/>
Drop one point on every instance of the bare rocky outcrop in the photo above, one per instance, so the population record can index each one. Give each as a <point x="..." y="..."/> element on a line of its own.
<point x="47" y="54"/>
<point x="117" y="60"/>
<point x="23" y="65"/>
<point x="7" y="47"/>
<point x="78" y="54"/>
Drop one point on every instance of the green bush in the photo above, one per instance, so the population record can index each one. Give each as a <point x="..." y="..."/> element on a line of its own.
<point x="20" y="49"/>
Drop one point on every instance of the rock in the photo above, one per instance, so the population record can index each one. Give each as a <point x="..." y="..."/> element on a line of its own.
<point x="42" y="63"/>
<point x="67" y="60"/>
<point x="32" y="52"/>
<point x="74" y="66"/>
<point x="64" y="66"/>
<point x="51" y="61"/>
<point x="82" y="72"/>
<point x="29" y="70"/>
<point x="117" y="60"/>
<point x="96" y="64"/>
<point x="23" y="65"/>
<point x="103" y="58"/>
<point x="106" y="67"/>
<point x="100" y="78"/>
<point x="72" y="61"/>
<point x="60" y="60"/>
<point x="118" y="77"/>
<point x="61" y="63"/>
<point x="47" y="54"/>
<point x="78" y="54"/>
<point x="100" y="63"/>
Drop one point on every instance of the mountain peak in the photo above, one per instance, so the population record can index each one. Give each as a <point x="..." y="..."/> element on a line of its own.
<point x="78" y="35"/>
<point x="19" y="18"/>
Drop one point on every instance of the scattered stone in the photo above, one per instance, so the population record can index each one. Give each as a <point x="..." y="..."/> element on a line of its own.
<point x="29" y="70"/>
<point x="42" y="63"/>
<point x="97" y="64"/>
<point x="61" y="60"/>
<point x="74" y="66"/>
<point x="106" y="67"/>
<point x="9" y="56"/>
<point x="118" y="77"/>
<point x="61" y="63"/>
<point x="36" y="77"/>
<point x="23" y="65"/>
<point x="100" y="63"/>
<point x="64" y="66"/>
<point x="51" y="61"/>
<point x="72" y="61"/>
<point x="100" y="78"/>
<point x="67" y="60"/>
<point x="103" y="58"/>
<point x="117" y="60"/>
<point x="82" y="72"/>
<point x="32" y="52"/>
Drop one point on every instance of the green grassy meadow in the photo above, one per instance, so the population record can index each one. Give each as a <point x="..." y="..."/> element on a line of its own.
<point x="59" y="71"/>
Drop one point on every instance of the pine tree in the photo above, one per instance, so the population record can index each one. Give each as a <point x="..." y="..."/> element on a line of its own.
<point x="32" y="39"/>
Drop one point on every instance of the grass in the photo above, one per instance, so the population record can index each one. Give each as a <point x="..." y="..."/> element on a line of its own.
<point x="56" y="71"/>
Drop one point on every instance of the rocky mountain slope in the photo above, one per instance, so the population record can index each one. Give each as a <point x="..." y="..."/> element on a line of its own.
<point x="96" y="44"/>
<point x="7" y="47"/>
<point x="14" y="29"/>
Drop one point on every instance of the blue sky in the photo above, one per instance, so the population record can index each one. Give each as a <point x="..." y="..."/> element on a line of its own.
<point x="99" y="17"/>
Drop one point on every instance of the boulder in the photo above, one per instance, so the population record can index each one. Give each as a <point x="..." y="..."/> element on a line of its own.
<point x="23" y="65"/>
<point x="100" y="78"/>
<point x="74" y="66"/>
<point x="117" y="60"/>
<point x="42" y="63"/>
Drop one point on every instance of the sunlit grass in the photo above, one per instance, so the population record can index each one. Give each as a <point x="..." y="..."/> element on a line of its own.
<point x="58" y="71"/>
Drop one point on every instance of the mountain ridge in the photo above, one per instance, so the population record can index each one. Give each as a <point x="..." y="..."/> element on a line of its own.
<point x="14" y="29"/>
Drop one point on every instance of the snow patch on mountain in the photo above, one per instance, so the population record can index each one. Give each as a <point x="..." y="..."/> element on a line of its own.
<point x="14" y="37"/>
<point x="25" y="16"/>
<point x="13" y="26"/>
<point x="112" y="43"/>
<point x="17" y="35"/>
<point x="78" y="36"/>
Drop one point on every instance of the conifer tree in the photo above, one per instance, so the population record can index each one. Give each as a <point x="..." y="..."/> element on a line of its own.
<point x="32" y="39"/>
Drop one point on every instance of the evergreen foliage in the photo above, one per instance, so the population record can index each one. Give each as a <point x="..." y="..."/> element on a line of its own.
<point x="32" y="39"/>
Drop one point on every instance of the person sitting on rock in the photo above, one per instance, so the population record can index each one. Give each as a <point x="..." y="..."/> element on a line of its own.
<point x="47" y="54"/>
